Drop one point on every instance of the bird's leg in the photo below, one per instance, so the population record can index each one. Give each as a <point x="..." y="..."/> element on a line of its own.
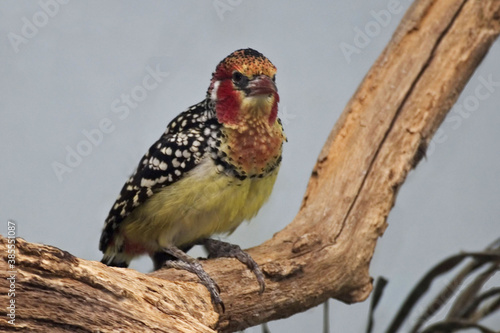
<point x="218" y="249"/>
<point x="159" y="258"/>
<point x="192" y="265"/>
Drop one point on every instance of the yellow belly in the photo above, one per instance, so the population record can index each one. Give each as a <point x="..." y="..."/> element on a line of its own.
<point x="203" y="203"/>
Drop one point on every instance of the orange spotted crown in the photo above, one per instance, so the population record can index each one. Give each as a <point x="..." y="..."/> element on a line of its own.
<point x="246" y="61"/>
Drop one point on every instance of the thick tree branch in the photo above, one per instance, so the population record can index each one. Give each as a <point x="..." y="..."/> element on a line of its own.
<point x="325" y="252"/>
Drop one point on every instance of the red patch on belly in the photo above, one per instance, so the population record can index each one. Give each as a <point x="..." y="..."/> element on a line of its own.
<point x="134" y="248"/>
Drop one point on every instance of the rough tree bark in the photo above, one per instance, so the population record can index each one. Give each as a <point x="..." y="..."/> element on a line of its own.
<point x="326" y="250"/>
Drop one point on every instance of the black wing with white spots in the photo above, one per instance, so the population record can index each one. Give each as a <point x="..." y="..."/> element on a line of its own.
<point x="178" y="150"/>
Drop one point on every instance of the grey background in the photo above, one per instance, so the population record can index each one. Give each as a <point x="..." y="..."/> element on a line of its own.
<point x="65" y="77"/>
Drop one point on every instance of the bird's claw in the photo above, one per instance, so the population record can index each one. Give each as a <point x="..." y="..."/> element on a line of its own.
<point x="187" y="263"/>
<point x="218" y="249"/>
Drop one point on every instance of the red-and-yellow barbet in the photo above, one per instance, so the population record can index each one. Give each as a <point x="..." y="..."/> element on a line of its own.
<point x="213" y="168"/>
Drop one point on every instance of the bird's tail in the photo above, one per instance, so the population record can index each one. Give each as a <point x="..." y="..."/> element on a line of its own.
<point x="115" y="259"/>
<point x="112" y="247"/>
<point x="114" y="254"/>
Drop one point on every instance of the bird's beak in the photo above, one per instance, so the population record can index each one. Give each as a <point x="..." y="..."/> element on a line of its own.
<point x="261" y="85"/>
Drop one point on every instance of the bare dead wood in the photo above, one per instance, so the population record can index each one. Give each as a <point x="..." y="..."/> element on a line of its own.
<point x="326" y="250"/>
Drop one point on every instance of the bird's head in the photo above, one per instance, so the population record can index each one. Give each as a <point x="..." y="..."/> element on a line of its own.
<point x="243" y="89"/>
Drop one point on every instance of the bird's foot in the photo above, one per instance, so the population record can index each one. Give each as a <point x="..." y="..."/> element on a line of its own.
<point x="192" y="265"/>
<point x="218" y="249"/>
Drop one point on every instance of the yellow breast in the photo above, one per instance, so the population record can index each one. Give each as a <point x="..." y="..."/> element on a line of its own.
<point x="203" y="203"/>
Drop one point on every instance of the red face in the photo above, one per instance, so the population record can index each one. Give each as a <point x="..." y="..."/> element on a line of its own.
<point x="243" y="87"/>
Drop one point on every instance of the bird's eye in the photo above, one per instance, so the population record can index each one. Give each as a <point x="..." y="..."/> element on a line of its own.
<point x="237" y="77"/>
<point x="240" y="80"/>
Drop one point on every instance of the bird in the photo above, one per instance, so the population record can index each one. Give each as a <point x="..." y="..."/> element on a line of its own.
<point x="213" y="168"/>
